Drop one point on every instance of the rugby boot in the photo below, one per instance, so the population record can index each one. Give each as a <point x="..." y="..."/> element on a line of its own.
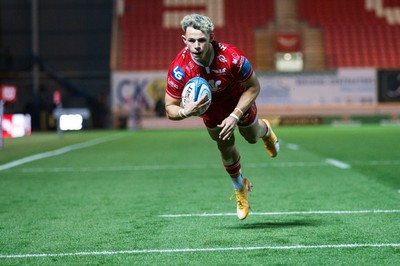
<point x="271" y="142"/>
<point x="243" y="205"/>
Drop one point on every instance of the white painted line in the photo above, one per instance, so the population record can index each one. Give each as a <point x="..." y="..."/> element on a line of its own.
<point x="278" y="213"/>
<point x="292" y="146"/>
<point x="327" y="212"/>
<point x="337" y="163"/>
<point x="63" y="150"/>
<point x="155" y="167"/>
<point x="120" y="168"/>
<point x="376" y="162"/>
<point x="184" y="250"/>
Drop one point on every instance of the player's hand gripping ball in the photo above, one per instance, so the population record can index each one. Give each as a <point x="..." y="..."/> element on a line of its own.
<point x="194" y="91"/>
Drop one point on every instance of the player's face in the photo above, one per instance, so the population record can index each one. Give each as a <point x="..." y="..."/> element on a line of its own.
<point x="198" y="44"/>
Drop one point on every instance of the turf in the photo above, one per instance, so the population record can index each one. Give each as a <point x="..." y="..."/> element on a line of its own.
<point x="113" y="201"/>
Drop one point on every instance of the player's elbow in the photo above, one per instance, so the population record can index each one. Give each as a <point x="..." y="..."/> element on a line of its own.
<point x="170" y="116"/>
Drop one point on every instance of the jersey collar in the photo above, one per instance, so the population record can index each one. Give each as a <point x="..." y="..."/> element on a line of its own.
<point x="209" y="62"/>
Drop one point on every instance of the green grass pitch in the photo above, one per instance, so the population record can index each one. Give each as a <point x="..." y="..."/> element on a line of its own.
<point x="331" y="197"/>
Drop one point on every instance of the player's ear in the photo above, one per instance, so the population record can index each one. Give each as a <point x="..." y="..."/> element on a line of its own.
<point x="184" y="39"/>
<point x="211" y="36"/>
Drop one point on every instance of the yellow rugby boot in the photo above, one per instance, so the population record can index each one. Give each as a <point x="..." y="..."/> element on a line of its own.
<point x="243" y="205"/>
<point x="271" y="142"/>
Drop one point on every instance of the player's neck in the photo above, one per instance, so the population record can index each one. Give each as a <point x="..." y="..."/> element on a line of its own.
<point x="206" y="62"/>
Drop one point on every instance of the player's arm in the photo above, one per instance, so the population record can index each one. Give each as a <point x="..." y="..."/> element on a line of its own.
<point x="248" y="97"/>
<point x="174" y="110"/>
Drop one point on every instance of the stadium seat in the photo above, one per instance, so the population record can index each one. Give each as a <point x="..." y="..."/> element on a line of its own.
<point x="147" y="45"/>
<point x="354" y="35"/>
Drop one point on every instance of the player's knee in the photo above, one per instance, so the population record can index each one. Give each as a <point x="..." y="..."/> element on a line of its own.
<point x="251" y="140"/>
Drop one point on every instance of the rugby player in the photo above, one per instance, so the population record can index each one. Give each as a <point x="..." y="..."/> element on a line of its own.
<point x="235" y="88"/>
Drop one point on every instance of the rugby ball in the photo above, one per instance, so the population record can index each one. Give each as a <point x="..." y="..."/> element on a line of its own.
<point x="194" y="90"/>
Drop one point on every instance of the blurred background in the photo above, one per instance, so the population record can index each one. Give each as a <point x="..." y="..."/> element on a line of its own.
<point x="102" y="64"/>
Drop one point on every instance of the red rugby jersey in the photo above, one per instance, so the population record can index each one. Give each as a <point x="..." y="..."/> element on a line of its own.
<point x="228" y="68"/>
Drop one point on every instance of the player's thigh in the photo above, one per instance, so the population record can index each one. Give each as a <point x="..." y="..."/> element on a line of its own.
<point x="251" y="133"/>
<point x="222" y="144"/>
<point x="214" y="133"/>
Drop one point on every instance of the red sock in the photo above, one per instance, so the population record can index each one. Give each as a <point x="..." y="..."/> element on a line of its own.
<point x="234" y="168"/>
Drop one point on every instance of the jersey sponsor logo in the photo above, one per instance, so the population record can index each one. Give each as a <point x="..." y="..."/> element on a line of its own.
<point x="215" y="85"/>
<point x="219" y="71"/>
<point x="222" y="47"/>
<point x="241" y="61"/>
<point x="172" y="83"/>
<point x="178" y="73"/>
<point x="244" y="71"/>
<point x="222" y="58"/>
<point x="190" y="66"/>
<point x="184" y="52"/>
<point x="236" y="58"/>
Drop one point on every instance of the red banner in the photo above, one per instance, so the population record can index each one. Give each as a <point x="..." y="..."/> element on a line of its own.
<point x="288" y="42"/>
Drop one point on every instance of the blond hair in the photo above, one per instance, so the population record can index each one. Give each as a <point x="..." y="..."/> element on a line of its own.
<point x="198" y="22"/>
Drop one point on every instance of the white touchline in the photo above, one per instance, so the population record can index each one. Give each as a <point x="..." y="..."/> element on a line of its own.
<point x="66" y="149"/>
<point x="277" y="213"/>
<point x="337" y="163"/>
<point x="183" y="250"/>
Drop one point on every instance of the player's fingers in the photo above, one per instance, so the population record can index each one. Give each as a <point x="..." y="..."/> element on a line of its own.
<point x="227" y="135"/>
<point x="203" y="98"/>
<point x="223" y="131"/>
<point x="204" y="104"/>
<point x="227" y="131"/>
<point x="222" y="124"/>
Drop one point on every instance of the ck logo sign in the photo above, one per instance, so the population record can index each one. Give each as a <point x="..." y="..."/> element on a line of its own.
<point x="178" y="73"/>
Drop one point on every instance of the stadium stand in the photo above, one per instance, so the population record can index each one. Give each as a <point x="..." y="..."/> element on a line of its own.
<point x="146" y="45"/>
<point x="334" y="34"/>
<point x="357" y="33"/>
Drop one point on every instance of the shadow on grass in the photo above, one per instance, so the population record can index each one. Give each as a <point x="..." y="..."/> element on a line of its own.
<point x="277" y="224"/>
